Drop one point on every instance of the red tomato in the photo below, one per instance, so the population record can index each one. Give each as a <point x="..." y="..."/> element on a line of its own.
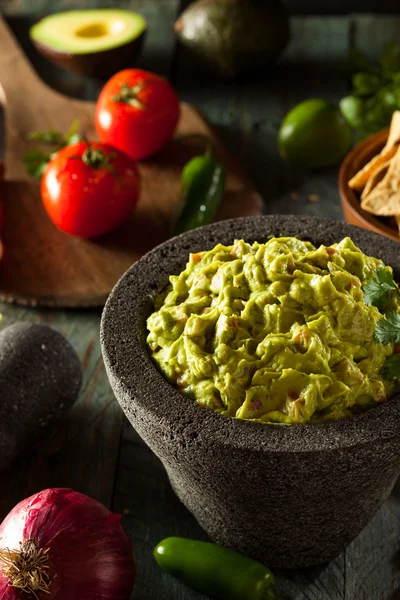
<point x="89" y="189"/>
<point x="137" y="112"/>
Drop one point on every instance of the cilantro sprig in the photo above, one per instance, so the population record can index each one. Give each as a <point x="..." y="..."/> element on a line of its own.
<point x="377" y="290"/>
<point x="387" y="330"/>
<point x="391" y="370"/>
<point x="375" y="93"/>
<point x="36" y="160"/>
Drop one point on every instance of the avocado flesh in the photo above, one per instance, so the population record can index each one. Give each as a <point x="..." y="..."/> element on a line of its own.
<point x="88" y="31"/>
<point x="235" y="37"/>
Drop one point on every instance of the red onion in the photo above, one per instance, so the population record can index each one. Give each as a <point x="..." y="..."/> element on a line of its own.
<point x="61" y="544"/>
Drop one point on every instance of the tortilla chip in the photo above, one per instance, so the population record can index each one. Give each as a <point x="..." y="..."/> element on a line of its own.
<point x="380" y="204"/>
<point x="360" y="179"/>
<point x="384" y="199"/>
<point x="392" y="177"/>
<point x="394" y="133"/>
<point x="376" y="177"/>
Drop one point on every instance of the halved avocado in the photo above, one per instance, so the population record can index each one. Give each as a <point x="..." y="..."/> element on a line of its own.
<point x="96" y="42"/>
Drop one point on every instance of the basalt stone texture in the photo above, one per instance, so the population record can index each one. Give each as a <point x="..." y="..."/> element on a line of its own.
<point x="40" y="378"/>
<point x="288" y="496"/>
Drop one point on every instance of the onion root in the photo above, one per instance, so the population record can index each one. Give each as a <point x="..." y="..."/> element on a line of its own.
<point x="26" y="568"/>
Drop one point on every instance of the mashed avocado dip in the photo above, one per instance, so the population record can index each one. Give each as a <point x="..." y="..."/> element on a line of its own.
<point x="275" y="332"/>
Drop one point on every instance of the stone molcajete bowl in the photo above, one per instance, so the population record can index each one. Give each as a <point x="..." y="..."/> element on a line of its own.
<point x="288" y="496"/>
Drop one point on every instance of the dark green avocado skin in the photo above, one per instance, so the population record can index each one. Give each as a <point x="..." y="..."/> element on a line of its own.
<point x="40" y="379"/>
<point x="235" y="37"/>
<point x="100" y="65"/>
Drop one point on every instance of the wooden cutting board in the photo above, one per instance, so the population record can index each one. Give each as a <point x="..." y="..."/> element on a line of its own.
<point x="43" y="266"/>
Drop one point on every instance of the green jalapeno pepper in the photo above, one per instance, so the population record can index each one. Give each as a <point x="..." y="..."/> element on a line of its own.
<point x="202" y="188"/>
<point x="214" y="570"/>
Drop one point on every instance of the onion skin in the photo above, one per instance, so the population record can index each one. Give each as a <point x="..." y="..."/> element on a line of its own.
<point x="90" y="555"/>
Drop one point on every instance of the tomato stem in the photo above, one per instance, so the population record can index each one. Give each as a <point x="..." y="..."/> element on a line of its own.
<point x="129" y="94"/>
<point x="97" y="159"/>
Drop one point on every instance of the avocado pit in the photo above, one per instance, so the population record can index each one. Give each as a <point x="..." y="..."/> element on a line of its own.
<point x="95" y="30"/>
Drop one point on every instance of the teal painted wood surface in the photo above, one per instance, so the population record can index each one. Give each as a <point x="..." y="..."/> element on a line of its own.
<point x="95" y="450"/>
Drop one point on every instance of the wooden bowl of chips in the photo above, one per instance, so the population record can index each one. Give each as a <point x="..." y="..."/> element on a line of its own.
<point x="369" y="182"/>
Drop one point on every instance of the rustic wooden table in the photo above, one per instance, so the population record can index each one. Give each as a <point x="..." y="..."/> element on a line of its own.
<point x="96" y="451"/>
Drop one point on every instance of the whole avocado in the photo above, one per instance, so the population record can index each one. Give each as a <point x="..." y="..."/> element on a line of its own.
<point x="314" y="135"/>
<point x="235" y="37"/>
<point x="40" y="379"/>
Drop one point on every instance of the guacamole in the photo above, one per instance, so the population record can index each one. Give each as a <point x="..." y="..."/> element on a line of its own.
<point x="276" y="332"/>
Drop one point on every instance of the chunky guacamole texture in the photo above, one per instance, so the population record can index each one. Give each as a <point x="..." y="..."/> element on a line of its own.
<point x="275" y="332"/>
